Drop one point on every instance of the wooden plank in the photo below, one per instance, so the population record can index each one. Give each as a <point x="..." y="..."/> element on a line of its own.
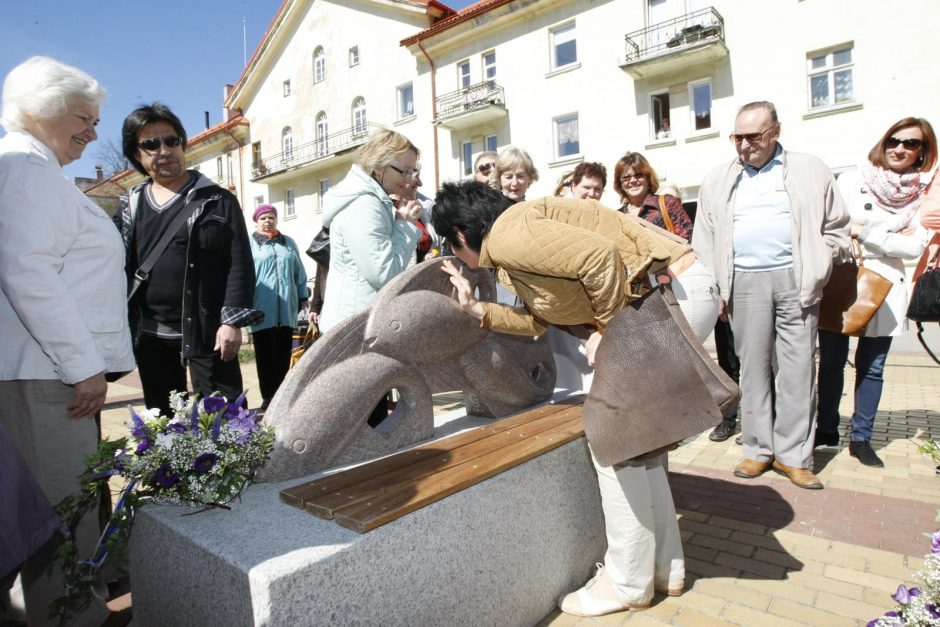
<point x="326" y="504"/>
<point x="297" y="495"/>
<point x="410" y="497"/>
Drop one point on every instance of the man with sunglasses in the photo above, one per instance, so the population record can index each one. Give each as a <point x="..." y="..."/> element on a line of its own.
<point x="483" y="166"/>
<point x="770" y="224"/>
<point x="190" y="272"/>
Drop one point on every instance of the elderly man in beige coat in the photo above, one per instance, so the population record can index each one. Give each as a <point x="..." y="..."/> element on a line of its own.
<point x="769" y="225"/>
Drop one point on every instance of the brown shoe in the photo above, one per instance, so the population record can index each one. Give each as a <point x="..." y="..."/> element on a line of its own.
<point x="802" y="477"/>
<point x="751" y="469"/>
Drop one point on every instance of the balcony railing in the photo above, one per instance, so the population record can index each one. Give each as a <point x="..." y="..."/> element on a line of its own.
<point x="675" y="35"/>
<point x="321" y="148"/>
<point x="469" y="99"/>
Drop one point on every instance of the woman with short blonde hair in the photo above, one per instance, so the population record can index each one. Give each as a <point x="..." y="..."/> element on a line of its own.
<point x="514" y="173"/>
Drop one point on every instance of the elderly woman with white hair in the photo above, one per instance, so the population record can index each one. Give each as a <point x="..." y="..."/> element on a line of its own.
<point x="63" y="312"/>
<point x="514" y="173"/>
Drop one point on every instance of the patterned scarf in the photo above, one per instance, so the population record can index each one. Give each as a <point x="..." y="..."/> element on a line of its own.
<point x="897" y="193"/>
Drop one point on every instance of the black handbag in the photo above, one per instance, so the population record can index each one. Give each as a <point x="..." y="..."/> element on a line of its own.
<point x="925" y="301"/>
<point x="319" y="248"/>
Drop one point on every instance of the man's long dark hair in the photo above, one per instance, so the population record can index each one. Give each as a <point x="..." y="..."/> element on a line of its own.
<point x="469" y="206"/>
<point x="138" y="119"/>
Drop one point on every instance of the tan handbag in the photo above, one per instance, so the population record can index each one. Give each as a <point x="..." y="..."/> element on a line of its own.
<point x="313" y="334"/>
<point x="852" y="296"/>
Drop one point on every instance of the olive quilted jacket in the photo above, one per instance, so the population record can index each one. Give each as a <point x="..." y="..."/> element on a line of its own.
<point x="570" y="262"/>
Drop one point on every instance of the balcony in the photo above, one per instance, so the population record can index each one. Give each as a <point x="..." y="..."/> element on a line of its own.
<point x="471" y="106"/>
<point x="659" y="49"/>
<point x="313" y="155"/>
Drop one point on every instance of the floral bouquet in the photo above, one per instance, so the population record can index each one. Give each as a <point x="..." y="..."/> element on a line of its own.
<point x="204" y="455"/>
<point x="918" y="607"/>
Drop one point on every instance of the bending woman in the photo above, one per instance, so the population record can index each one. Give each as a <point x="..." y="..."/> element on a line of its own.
<point x="883" y="198"/>
<point x="587" y="283"/>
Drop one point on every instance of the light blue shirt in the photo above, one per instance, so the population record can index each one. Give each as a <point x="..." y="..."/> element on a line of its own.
<point x="762" y="226"/>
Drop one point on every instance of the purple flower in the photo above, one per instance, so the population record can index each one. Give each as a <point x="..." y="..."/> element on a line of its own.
<point x="935" y="542"/>
<point x="205" y="462"/>
<point x="932" y="609"/>
<point x="142" y="447"/>
<point x="903" y="594"/>
<point x="165" y="477"/>
<point x="246" y="422"/>
<point x="194" y="419"/>
<point x="914" y="592"/>
<point x="217" y="427"/>
<point x="236" y="407"/>
<point x="212" y="404"/>
<point x="176" y="427"/>
<point x="138" y="428"/>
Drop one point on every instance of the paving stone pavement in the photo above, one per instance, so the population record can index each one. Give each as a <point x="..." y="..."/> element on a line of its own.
<point x="762" y="551"/>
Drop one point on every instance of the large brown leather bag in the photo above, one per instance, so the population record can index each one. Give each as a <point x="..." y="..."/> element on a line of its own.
<point x="654" y="383"/>
<point x="852" y="296"/>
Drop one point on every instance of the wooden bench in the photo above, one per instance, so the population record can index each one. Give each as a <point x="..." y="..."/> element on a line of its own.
<point x="368" y="496"/>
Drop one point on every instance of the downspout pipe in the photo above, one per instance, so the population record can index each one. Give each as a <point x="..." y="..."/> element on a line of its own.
<point x="437" y="163"/>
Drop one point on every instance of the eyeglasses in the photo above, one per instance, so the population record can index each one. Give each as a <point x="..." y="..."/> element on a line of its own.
<point x="626" y="178"/>
<point x="408" y="174"/>
<point x="909" y="144"/>
<point x="484" y="168"/>
<point x="154" y="143"/>
<point x="752" y="138"/>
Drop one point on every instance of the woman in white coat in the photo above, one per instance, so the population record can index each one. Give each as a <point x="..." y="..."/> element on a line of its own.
<point x="883" y="198"/>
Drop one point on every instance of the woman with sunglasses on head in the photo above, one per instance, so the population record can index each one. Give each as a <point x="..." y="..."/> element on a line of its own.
<point x="513" y="173"/>
<point x="693" y="285"/>
<point x="883" y="198"/>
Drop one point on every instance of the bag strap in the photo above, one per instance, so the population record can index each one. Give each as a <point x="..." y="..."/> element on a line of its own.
<point x="142" y="274"/>
<point x="666" y="219"/>
<point x="920" y="336"/>
<point x="855" y="247"/>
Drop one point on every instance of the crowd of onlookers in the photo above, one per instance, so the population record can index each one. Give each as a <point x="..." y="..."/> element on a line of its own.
<point x="750" y="267"/>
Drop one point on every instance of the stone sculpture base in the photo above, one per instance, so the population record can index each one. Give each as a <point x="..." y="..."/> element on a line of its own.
<point x="498" y="553"/>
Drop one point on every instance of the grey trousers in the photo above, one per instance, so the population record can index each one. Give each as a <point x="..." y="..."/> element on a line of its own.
<point x="54" y="447"/>
<point x="766" y="316"/>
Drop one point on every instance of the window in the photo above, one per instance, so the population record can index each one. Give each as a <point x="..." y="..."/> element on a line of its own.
<point x="463" y="74"/>
<point x="290" y="209"/>
<point x="220" y="172"/>
<point x="406" y="101"/>
<point x="830" y="76"/>
<point x="259" y="200"/>
<point x="660" y="127"/>
<point x="566" y="136"/>
<point x="323" y="131"/>
<point x="319" y="65"/>
<point x="489" y="66"/>
<point x="354" y="56"/>
<point x="324" y="188"/>
<point x="287" y="142"/>
<point x="359" y="115"/>
<point x="286" y="88"/>
<point x="256" y="153"/>
<point x="466" y="157"/>
<point x="564" y="46"/>
<point x="489" y="144"/>
<point x="700" y="105"/>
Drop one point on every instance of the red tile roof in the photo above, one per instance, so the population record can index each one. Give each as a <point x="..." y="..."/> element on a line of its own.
<point x="463" y="15"/>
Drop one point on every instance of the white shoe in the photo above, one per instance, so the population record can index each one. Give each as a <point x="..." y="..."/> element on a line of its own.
<point x="597" y="598"/>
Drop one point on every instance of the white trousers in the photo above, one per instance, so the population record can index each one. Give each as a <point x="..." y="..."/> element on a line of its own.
<point x="697" y="292"/>
<point x="644" y="549"/>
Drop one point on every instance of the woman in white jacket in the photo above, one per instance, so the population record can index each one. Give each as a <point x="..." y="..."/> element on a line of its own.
<point x="883" y="199"/>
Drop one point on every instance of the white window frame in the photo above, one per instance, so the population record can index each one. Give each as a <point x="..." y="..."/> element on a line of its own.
<point x="319" y="65"/>
<point x="285" y="86"/>
<point x="323" y="187"/>
<point x="464" y="79"/>
<point x="354" y="56"/>
<point x="322" y="133"/>
<point x="692" y="118"/>
<point x="259" y="200"/>
<point x="403" y="111"/>
<point x="490" y="143"/>
<point x="652" y="115"/>
<point x="360" y="120"/>
<point x="563" y="31"/>
<point x="290" y="204"/>
<point x="829" y="71"/>
<point x="489" y="65"/>
<point x="466" y="157"/>
<point x="287" y="143"/>
<point x="556" y="124"/>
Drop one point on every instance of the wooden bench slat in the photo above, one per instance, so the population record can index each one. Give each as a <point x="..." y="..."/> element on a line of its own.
<point x="407" y="498"/>
<point x="299" y="494"/>
<point x="327" y="503"/>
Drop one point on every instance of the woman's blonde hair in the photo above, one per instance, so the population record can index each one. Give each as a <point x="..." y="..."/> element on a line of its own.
<point x="512" y="158"/>
<point x="380" y="151"/>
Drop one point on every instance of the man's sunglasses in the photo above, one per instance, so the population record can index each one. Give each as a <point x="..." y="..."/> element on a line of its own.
<point x="484" y="168"/>
<point x="153" y="143"/>
<point x="752" y="138"/>
<point x="909" y="144"/>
